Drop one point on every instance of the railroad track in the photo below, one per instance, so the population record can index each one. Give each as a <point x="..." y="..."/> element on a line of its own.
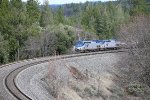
<point x="10" y="78"/>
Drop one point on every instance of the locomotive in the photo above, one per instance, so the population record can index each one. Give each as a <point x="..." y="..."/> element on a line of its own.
<point x="96" y="45"/>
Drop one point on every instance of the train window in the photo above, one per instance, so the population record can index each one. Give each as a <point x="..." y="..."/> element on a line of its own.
<point x="87" y="42"/>
<point x="108" y="41"/>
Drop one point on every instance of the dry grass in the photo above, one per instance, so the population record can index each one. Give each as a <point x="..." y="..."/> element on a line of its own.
<point x="76" y="73"/>
<point x="81" y="85"/>
<point x="134" y="68"/>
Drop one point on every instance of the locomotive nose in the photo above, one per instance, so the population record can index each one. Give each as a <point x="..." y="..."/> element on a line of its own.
<point x="78" y="49"/>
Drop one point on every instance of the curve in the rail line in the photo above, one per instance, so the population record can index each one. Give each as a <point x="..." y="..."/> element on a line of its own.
<point x="10" y="78"/>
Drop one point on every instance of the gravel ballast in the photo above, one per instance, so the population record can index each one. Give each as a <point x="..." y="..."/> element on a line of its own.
<point x="5" y="70"/>
<point x="31" y="80"/>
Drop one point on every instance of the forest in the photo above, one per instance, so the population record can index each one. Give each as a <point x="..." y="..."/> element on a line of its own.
<point x="29" y="30"/>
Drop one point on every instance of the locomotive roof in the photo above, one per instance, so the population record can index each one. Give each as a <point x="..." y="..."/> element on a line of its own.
<point x="97" y="41"/>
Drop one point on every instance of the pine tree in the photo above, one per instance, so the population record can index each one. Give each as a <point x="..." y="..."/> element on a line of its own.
<point x="17" y="4"/>
<point x="99" y="26"/>
<point x="33" y="11"/>
<point x="59" y="16"/>
<point x="4" y="16"/>
<point x="46" y="15"/>
<point x="138" y="6"/>
<point x="88" y="17"/>
<point x="3" y="50"/>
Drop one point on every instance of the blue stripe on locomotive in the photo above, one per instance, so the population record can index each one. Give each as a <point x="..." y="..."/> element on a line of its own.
<point x="81" y="43"/>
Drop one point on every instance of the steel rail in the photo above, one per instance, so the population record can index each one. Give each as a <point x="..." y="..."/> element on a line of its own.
<point x="10" y="78"/>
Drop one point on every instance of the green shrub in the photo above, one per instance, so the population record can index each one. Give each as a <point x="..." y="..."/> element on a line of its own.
<point x="135" y="89"/>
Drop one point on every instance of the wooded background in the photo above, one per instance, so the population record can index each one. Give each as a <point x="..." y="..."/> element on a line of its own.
<point x="29" y="30"/>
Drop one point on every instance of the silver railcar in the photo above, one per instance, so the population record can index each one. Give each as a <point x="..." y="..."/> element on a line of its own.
<point x="96" y="45"/>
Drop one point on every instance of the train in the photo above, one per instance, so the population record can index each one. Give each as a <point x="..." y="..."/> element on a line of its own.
<point x="96" y="45"/>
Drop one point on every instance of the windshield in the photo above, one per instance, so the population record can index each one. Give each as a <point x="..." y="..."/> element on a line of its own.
<point x="79" y="44"/>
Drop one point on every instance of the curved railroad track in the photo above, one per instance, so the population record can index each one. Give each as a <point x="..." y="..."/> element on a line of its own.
<point x="10" y="78"/>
